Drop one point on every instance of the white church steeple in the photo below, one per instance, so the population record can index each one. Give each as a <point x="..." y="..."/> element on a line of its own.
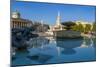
<point x="58" y="25"/>
<point x="58" y="19"/>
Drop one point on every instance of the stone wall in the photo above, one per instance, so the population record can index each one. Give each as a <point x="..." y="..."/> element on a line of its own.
<point x="67" y="34"/>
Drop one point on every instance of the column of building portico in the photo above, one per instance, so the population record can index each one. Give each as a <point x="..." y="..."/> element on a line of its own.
<point x="14" y="24"/>
<point x="25" y="25"/>
<point x="20" y="25"/>
<point x="17" y="24"/>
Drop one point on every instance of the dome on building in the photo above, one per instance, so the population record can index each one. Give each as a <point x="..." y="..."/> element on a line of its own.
<point x="15" y="14"/>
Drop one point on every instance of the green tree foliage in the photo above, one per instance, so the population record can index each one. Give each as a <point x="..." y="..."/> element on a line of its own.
<point x="75" y="27"/>
<point x="78" y="27"/>
<point x="87" y="28"/>
<point x="68" y="25"/>
<point x="94" y="27"/>
<point x="81" y="27"/>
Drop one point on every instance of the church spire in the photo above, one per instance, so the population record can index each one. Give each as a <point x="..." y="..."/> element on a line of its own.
<point x="58" y="25"/>
<point x="58" y="19"/>
<point x="41" y="22"/>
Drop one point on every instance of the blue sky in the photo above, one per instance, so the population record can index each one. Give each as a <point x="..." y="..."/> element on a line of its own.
<point x="47" y="12"/>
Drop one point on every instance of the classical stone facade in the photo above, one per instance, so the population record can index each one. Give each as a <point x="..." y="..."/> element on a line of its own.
<point x="18" y="22"/>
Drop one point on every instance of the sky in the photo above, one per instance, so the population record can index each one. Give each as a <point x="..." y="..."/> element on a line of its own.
<point x="47" y="12"/>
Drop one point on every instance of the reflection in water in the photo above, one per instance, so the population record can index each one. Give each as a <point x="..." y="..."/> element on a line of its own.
<point x="68" y="51"/>
<point x="88" y="42"/>
<point x="40" y="57"/>
<point x="68" y="45"/>
<point x="20" y="54"/>
<point x="39" y="42"/>
<point x="44" y="49"/>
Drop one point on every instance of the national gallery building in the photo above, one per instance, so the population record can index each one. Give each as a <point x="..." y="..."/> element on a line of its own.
<point x="18" y="22"/>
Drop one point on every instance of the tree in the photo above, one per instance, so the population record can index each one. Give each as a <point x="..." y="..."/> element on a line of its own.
<point x="75" y="28"/>
<point x="81" y="27"/>
<point x="68" y="25"/>
<point x="87" y="28"/>
<point x="94" y="27"/>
